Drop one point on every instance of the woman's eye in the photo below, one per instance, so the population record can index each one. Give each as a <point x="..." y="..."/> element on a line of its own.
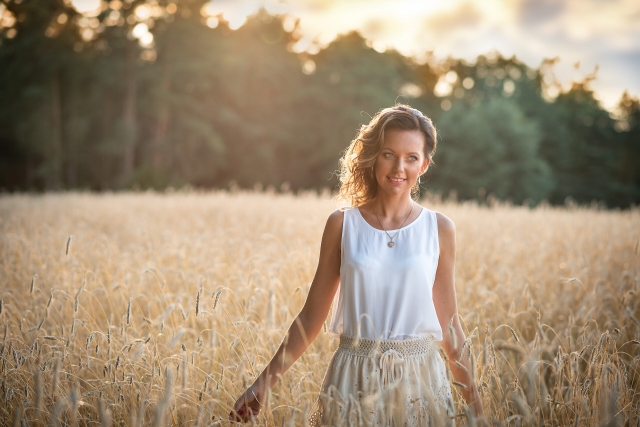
<point x="388" y="155"/>
<point x="413" y="158"/>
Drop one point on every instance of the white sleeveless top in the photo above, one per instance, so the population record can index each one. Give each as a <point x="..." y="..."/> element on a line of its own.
<point x="387" y="292"/>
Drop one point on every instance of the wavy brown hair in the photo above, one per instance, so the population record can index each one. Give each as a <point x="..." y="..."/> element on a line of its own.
<point x="358" y="185"/>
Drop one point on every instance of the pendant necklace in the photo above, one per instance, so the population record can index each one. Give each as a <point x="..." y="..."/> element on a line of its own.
<point x="391" y="243"/>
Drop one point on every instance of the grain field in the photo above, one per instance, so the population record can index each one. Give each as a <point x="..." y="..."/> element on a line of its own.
<point x="157" y="309"/>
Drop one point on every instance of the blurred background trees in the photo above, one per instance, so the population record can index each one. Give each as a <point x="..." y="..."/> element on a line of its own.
<point x="151" y="93"/>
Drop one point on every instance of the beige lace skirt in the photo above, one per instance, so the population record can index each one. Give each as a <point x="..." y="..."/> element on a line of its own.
<point x="385" y="383"/>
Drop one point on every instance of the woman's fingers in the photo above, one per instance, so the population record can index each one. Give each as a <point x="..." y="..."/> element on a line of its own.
<point x="236" y="416"/>
<point x="239" y="416"/>
<point x="245" y="408"/>
<point x="238" y="411"/>
<point x="243" y="415"/>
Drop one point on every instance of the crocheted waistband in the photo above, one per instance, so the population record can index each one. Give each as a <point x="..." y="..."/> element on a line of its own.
<point x="371" y="348"/>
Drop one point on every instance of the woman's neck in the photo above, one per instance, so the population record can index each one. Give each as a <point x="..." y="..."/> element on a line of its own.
<point x="391" y="207"/>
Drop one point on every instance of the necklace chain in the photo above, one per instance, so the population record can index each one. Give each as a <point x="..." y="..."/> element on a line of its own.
<point x="391" y="243"/>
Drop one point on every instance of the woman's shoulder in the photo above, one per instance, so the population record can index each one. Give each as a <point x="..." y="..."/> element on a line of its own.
<point x="444" y="222"/>
<point x="334" y="222"/>
<point x="446" y="228"/>
<point x="338" y="214"/>
<point x="333" y="228"/>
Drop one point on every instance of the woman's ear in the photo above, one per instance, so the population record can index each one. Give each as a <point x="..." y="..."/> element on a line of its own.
<point x="425" y="165"/>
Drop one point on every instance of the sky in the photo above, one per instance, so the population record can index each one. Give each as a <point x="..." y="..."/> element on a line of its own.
<point x="583" y="34"/>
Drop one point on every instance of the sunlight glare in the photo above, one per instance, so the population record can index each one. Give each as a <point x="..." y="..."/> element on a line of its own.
<point x="211" y="9"/>
<point x="86" y="6"/>
<point x="468" y="83"/>
<point x="143" y="12"/>
<point x="410" y="90"/>
<point x="443" y="88"/>
<point x="508" y="87"/>
<point x="212" y="22"/>
<point x="379" y="46"/>
<point x="235" y="13"/>
<point x="309" y="67"/>
<point x="6" y="18"/>
<point x="276" y="7"/>
<point x="146" y="40"/>
<point x="140" y="30"/>
<point x="236" y="21"/>
<point x="172" y="8"/>
<point x="289" y="23"/>
<point x="552" y="92"/>
<point x="302" y="45"/>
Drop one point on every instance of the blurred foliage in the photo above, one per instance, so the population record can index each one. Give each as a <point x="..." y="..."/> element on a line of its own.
<point x="492" y="145"/>
<point x="94" y="101"/>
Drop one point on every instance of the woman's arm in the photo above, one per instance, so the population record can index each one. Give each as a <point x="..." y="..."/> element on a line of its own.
<point x="306" y="325"/>
<point x="444" y="299"/>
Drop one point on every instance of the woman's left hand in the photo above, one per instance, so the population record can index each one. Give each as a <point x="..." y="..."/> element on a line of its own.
<point x="248" y="405"/>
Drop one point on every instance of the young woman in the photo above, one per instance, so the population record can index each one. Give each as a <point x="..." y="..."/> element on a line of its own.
<point x="387" y="265"/>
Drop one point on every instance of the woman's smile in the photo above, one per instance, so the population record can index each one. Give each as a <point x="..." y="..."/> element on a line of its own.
<point x="397" y="181"/>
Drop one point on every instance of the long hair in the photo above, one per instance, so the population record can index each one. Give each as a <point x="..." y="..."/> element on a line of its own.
<point x="358" y="185"/>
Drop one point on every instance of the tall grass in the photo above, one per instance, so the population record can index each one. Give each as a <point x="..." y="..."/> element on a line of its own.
<point x="158" y="309"/>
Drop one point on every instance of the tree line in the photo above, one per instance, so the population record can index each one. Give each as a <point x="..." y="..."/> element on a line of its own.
<point x="146" y="94"/>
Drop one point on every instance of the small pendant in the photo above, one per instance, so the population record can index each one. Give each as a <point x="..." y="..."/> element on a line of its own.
<point x="391" y="244"/>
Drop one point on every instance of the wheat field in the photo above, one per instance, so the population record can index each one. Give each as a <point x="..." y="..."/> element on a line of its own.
<point x="158" y="309"/>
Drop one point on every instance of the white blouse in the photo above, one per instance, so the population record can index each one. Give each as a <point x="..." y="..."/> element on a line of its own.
<point x="385" y="292"/>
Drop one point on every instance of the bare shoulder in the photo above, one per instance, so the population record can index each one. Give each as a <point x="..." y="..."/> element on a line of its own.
<point x="333" y="228"/>
<point x="446" y="229"/>
<point x="445" y="224"/>
<point x="335" y="219"/>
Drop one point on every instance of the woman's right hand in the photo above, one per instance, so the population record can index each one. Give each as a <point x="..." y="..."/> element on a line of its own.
<point x="248" y="405"/>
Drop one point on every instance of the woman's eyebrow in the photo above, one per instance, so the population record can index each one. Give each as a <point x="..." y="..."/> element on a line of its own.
<point x="415" y="153"/>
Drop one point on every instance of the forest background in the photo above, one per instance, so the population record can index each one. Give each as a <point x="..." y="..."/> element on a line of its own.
<point x="94" y="102"/>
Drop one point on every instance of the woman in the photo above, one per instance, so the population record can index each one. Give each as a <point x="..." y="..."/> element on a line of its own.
<point x="387" y="265"/>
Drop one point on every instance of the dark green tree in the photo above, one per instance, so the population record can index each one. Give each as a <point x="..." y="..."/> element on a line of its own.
<point x="628" y="127"/>
<point x="85" y="102"/>
<point x="492" y="148"/>
<point x="35" y="64"/>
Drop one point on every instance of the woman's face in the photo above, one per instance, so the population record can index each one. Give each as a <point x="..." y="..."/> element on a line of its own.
<point x="401" y="161"/>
